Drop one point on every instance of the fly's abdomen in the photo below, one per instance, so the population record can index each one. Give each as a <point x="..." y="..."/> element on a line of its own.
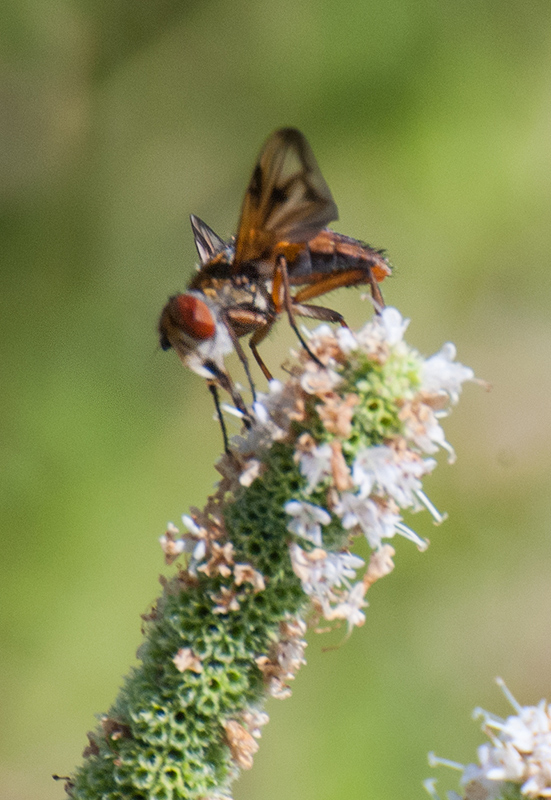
<point x="330" y="253"/>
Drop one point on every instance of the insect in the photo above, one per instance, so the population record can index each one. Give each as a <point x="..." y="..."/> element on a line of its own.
<point x="244" y="285"/>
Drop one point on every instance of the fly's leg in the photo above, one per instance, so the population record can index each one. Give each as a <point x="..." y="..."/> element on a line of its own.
<point x="257" y="337"/>
<point x="223" y="380"/>
<point x="376" y="294"/>
<point x="289" y="307"/>
<point x="242" y="357"/>
<point x="339" y="280"/>
<point x="213" y="389"/>
<point x="319" y="312"/>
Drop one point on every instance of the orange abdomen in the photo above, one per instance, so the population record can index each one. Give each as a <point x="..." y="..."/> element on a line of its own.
<point x="330" y="253"/>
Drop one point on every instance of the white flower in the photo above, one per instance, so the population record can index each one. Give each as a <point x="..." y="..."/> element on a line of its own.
<point x="323" y="331"/>
<point x="325" y="577"/>
<point x="380" y="564"/>
<point x="307" y="565"/>
<point x="518" y="752"/>
<point x="385" y="331"/>
<point x="440" y="373"/>
<point x="381" y="469"/>
<point x="347" y="340"/>
<point x="273" y="412"/>
<point x="421" y="427"/>
<point x="393" y="325"/>
<point x="171" y="544"/>
<point x="307" y="520"/>
<point x="320" y="571"/>
<point x="194" y="543"/>
<point x="319" y="380"/>
<point x="265" y="404"/>
<point x="315" y="465"/>
<point x="192" y="526"/>
<point x="290" y="656"/>
<point x="376" y="522"/>
<point x="318" y="412"/>
<point x="261" y="412"/>
<point x="349" y="608"/>
<point x="500" y="763"/>
<point x="250" y="472"/>
<point x="339" y="567"/>
<point x="478" y="786"/>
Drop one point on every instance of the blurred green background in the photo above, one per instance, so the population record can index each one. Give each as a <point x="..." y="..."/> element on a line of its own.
<point x="432" y="124"/>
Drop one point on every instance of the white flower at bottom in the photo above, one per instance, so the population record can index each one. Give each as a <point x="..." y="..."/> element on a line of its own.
<point x="477" y="786"/>
<point x="374" y="520"/>
<point x="500" y="763"/>
<point x="315" y="465"/>
<point x="194" y="543"/>
<point x="172" y="545"/>
<point x="319" y="570"/>
<point x="519" y="751"/>
<point x="349" y="608"/>
<point x="307" y="520"/>
<point x="325" y="577"/>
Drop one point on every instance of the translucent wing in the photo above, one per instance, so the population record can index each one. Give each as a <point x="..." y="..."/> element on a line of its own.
<point x="287" y="199"/>
<point x="207" y="242"/>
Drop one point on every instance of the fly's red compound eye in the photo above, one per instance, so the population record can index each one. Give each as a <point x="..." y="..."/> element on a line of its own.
<point x="194" y="316"/>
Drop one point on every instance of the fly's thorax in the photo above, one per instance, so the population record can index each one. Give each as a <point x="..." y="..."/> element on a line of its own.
<point x="236" y="292"/>
<point x="218" y="268"/>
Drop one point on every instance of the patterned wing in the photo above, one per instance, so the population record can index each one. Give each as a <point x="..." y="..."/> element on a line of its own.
<point x="207" y="242"/>
<point x="287" y="199"/>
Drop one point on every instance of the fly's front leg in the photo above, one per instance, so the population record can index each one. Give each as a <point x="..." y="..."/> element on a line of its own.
<point x="290" y="307"/>
<point x="213" y="389"/>
<point x="258" y="321"/>
<point x="240" y="353"/>
<point x="225" y="382"/>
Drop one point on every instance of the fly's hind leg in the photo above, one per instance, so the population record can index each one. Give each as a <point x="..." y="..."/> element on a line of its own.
<point x="376" y="294"/>
<point x="351" y="277"/>
<point x="319" y="312"/>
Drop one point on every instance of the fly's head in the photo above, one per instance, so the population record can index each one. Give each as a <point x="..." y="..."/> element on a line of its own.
<point x="191" y="324"/>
